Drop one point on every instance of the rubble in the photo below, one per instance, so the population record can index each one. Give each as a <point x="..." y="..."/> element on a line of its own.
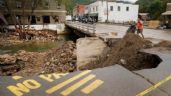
<point x="41" y="35"/>
<point x="24" y="63"/>
<point x="7" y="59"/>
<point x="62" y="59"/>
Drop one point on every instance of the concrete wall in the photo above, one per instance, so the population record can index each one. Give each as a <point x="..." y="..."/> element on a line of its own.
<point x="55" y="27"/>
<point x="115" y="15"/>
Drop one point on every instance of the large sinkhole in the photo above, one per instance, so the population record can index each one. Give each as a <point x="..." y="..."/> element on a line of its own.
<point x="137" y="62"/>
<point x="142" y="61"/>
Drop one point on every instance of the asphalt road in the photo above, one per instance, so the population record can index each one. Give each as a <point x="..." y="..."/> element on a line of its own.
<point x="157" y="34"/>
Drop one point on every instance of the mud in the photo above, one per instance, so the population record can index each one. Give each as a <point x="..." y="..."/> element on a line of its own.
<point x="166" y="44"/>
<point x="126" y="53"/>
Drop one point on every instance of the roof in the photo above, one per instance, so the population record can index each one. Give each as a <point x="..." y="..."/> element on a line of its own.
<point x="143" y="14"/>
<point x="167" y="13"/>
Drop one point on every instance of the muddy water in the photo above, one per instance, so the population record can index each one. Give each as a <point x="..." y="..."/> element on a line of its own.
<point x="34" y="46"/>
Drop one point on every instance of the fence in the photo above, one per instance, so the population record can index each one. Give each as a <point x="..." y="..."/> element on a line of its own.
<point x="86" y="28"/>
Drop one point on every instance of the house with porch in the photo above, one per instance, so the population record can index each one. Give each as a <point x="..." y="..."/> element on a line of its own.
<point x="167" y="16"/>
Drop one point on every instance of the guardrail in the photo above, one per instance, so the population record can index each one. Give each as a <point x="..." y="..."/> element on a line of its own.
<point x="86" y="28"/>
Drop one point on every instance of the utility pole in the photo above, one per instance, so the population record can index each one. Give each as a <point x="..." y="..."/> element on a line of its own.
<point x="107" y="20"/>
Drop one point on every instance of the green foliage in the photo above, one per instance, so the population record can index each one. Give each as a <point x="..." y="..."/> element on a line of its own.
<point x="154" y="7"/>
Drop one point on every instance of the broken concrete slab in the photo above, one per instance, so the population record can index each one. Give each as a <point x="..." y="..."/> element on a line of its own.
<point x="157" y="75"/>
<point x="88" y="50"/>
<point x="163" y="69"/>
<point x="109" y="81"/>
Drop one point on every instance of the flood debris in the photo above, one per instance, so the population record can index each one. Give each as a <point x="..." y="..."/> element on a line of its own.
<point x="166" y="44"/>
<point x="41" y="35"/>
<point x="126" y="53"/>
<point x="62" y="59"/>
<point x="12" y="37"/>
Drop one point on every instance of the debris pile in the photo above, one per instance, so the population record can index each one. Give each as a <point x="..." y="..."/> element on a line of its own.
<point x="7" y="59"/>
<point x="126" y="53"/>
<point x="9" y="64"/>
<point x="62" y="59"/>
<point x="166" y="44"/>
<point x="41" y="35"/>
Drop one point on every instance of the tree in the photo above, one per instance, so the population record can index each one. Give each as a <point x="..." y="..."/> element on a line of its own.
<point x="153" y="7"/>
<point x="20" y="26"/>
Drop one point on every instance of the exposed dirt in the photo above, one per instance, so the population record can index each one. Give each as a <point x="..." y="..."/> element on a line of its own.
<point x="166" y="44"/>
<point x="126" y="53"/>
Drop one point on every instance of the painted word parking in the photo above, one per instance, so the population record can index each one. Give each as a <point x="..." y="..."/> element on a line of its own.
<point x="84" y="82"/>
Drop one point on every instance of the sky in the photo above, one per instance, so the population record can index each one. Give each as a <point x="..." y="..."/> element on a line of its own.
<point x="131" y="0"/>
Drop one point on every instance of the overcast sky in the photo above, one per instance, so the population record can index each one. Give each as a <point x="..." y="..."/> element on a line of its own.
<point x="130" y="0"/>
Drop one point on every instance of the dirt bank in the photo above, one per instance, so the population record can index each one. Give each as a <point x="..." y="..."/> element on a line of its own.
<point x="126" y="53"/>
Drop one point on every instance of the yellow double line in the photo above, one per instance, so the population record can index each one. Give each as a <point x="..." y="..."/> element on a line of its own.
<point x="155" y="86"/>
<point x="74" y="87"/>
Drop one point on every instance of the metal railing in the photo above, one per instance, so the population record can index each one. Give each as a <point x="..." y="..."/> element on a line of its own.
<point x="86" y="28"/>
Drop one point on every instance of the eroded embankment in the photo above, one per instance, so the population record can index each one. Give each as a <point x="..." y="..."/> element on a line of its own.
<point x="126" y="53"/>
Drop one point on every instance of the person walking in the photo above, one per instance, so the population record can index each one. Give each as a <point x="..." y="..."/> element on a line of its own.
<point x="140" y="27"/>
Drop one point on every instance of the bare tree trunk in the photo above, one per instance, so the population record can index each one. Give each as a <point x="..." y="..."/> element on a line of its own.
<point x="23" y="33"/>
<point x="33" y="7"/>
<point x="13" y="17"/>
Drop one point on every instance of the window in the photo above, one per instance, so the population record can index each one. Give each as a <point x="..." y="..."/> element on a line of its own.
<point x="46" y="19"/>
<point x="18" y="17"/>
<point x="127" y="8"/>
<point x="18" y="4"/>
<point x="33" y="3"/>
<point x="38" y="18"/>
<point x="119" y="8"/>
<point x="46" y="3"/>
<point x="2" y="3"/>
<point x="96" y="8"/>
<point x="111" y="8"/>
<point x="59" y="5"/>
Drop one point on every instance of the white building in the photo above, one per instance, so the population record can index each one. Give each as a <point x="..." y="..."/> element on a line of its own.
<point x="117" y="12"/>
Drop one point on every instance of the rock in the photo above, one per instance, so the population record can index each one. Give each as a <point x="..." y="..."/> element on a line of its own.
<point x="123" y="61"/>
<point x="88" y="50"/>
<point x="62" y="59"/>
<point x="7" y="59"/>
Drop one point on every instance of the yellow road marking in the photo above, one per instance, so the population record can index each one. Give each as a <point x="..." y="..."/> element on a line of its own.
<point x="155" y="86"/>
<point x="17" y="77"/>
<point x="92" y="86"/>
<point x="57" y="87"/>
<point x="77" y="85"/>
